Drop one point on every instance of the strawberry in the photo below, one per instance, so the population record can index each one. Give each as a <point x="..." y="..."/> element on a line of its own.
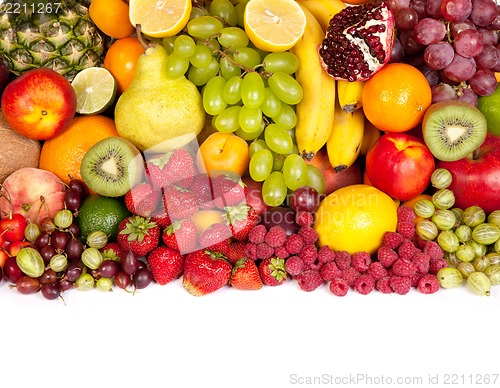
<point x="241" y="219"/>
<point x="142" y="199"/>
<point x="245" y="275"/>
<point x="179" y="202"/>
<point x="215" y="237"/>
<point x="202" y="187"/>
<point x="161" y="217"/>
<point x="112" y="251"/>
<point x="228" y="190"/>
<point x="272" y="271"/>
<point x="138" y="234"/>
<point x="235" y="251"/>
<point x="173" y="167"/>
<point x="181" y="236"/>
<point x="205" y="272"/>
<point x="165" y="264"/>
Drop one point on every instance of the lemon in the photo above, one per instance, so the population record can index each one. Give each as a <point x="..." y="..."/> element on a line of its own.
<point x="95" y="89"/>
<point x="490" y="108"/>
<point x="355" y="219"/>
<point x="101" y="213"/>
<point x="274" y="25"/>
<point x="160" y="18"/>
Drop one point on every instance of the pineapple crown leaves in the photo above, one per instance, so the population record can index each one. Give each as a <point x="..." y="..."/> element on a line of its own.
<point x="233" y="214"/>
<point x="161" y="161"/>
<point x="137" y="228"/>
<point x="277" y="268"/>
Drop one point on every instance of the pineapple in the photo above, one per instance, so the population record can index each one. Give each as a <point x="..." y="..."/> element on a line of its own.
<point x="66" y="41"/>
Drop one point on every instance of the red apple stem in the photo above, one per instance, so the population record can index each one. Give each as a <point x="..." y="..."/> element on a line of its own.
<point x="475" y="154"/>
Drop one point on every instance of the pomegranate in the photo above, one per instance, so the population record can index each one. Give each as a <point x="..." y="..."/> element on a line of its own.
<point x="358" y="41"/>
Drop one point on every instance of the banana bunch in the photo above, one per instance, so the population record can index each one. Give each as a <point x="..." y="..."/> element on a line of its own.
<point x="346" y="138"/>
<point x="323" y="10"/>
<point x="350" y="94"/>
<point x="316" y="109"/>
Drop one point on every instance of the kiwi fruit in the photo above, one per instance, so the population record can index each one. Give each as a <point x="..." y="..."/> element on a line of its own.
<point x="112" y="166"/>
<point x="453" y="129"/>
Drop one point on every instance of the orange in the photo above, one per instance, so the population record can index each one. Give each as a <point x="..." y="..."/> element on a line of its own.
<point x="63" y="154"/>
<point x="396" y="97"/>
<point x="112" y="17"/>
<point x="121" y="60"/>
<point x="355" y="219"/>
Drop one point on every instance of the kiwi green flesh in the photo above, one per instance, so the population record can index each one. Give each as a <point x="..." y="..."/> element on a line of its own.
<point x="453" y="132"/>
<point x="112" y="167"/>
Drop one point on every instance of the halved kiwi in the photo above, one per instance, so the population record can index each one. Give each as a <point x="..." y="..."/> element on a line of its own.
<point x="453" y="129"/>
<point x="112" y="166"/>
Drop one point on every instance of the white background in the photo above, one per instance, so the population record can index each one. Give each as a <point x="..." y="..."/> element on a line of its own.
<point x="275" y="337"/>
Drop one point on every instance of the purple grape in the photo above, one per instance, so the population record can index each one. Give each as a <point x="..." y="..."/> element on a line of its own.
<point x="495" y="24"/>
<point x="468" y="95"/>
<point x="438" y="55"/>
<point x="42" y="240"/>
<point x="420" y="7"/>
<point x="433" y="8"/>
<point x="429" y="31"/>
<point x="395" y="5"/>
<point x="483" y="83"/>
<point x="109" y="268"/>
<point x="59" y="238"/>
<point x="443" y="92"/>
<point x="142" y="278"/>
<point x="74" y="249"/>
<point x="282" y="216"/>
<point x="468" y="43"/>
<point x="488" y="58"/>
<point x="72" y="199"/>
<point x="405" y="18"/>
<point x="432" y="76"/>
<point x="77" y="185"/>
<point x="397" y="54"/>
<point x="51" y="291"/>
<point x="410" y="45"/>
<point x="456" y="10"/>
<point x="129" y="263"/>
<point x="460" y="69"/>
<point x="304" y="198"/>
<point x="489" y="36"/>
<point x="484" y="12"/>
<point x="457" y="27"/>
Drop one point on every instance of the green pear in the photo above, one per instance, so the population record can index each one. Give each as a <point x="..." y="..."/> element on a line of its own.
<point x="157" y="113"/>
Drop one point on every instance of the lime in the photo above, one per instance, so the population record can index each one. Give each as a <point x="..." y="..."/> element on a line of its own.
<point x="101" y="213"/>
<point x="490" y="108"/>
<point x="95" y="89"/>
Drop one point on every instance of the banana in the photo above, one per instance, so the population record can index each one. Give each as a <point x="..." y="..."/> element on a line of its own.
<point x="350" y="94"/>
<point x="372" y="133"/>
<point x="315" y="110"/>
<point x="323" y="10"/>
<point x="344" y="144"/>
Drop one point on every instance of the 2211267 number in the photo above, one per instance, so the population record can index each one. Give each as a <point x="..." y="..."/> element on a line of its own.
<point x="473" y="379"/>
<point x="35" y="7"/>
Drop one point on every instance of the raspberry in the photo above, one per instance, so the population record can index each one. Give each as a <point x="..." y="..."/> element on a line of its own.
<point x="308" y="254"/>
<point x="436" y="264"/>
<point x="339" y="287"/>
<point x="308" y="234"/>
<point x="309" y="280"/>
<point x="383" y="285"/>
<point x="377" y="270"/>
<point x="343" y="259"/>
<point x="433" y="249"/>
<point x="303" y="218"/>
<point x="264" y="250"/>
<point x="386" y="256"/>
<point x="294" y="265"/>
<point x="281" y="252"/>
<point x="406" y="228"/>
<point x="415" y="279"/>
<point x="350" y="275"/>
<point x="257" y="234"/>
<point x="400" y="285"/>
<point x="428" y="284"/>
<point x="421" y="260"/>
<point x="325" y="254"/>
<point x="251" y="251"/>
<point x="364" y="284"/>
<point x="330" y="271"/>
<point x="392" y="240"/>
<point x="406" y="213"/>
<point x="276" y="236"/>
<point x="403" y="267"/>
<point x="406" y="250"/>
<point x="361" y="261"/>
<point x="294" y="244"/>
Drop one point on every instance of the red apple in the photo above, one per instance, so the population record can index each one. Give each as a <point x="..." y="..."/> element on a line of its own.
<point x="253" y="193"/>
<point x="400" y="165"/>
<point x="39" y="104"/>
<point x="476" y="178"/>
<point x="335" y="180"/>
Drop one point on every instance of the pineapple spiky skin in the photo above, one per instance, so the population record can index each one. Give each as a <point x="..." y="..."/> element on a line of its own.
<point x="66" y="41"/>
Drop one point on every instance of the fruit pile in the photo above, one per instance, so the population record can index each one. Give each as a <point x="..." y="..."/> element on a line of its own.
<point x="249" y="143"/>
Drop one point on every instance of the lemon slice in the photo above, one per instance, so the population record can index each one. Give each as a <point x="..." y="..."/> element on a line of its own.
<point x="274" y="25"/>
<point x="160" y="18"/>
<point x="95" y="89"/>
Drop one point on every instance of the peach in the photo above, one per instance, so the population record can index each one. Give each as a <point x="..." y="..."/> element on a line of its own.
<point x="32" y="192"/>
